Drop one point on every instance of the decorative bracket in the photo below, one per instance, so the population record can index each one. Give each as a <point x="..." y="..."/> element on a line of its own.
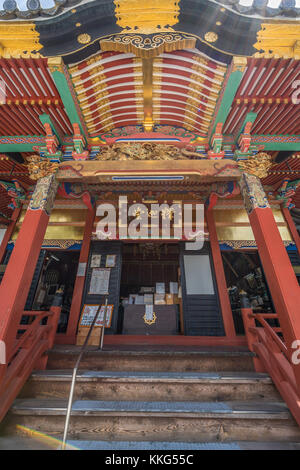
<point x="286" y="191"/>
<point x="15" y="191"/>
<point x="79" y="144"/>
<point x="216" y="141"/>
<point x="52" y="144"/>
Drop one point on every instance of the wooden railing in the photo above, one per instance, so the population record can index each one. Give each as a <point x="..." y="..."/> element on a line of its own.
<point x="273" y="356"/>
<point x="28" y="352"/>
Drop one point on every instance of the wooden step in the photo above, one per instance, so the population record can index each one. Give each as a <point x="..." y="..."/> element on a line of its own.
<point x="205" y="360"/>
<point x="151" y="386"/>
<point x="158" y="421"/>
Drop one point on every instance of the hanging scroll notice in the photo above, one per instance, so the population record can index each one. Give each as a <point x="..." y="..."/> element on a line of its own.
<point x="149" y="317"/>
<point x="89" y="312"/>
<point x="99" y="281"/>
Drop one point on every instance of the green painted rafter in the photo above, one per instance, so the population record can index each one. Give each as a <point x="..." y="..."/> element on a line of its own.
<point x="231" y="84"/>
<point x="65" y="89"/>
<point x="45" y="119"/>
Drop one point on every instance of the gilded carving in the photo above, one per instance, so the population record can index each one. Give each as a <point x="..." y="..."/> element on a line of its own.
<point x="148" y="47"/>
<point x="19" y="40"/>
<point x="55" y="64"/>
<point x="239" y="64"/>
<point x="44" y="194"/>
<point x="40" y="167"/>
<point x="257" y="165"/>
<point x="280" y="39"/>
<point x="137" y="151"/>
<point x="253" y="193"/>
<point x="135" y="15"/>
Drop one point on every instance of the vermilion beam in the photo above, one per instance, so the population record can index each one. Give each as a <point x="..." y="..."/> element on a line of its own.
<point x="9" y="231"/>
<point x="80" y="280"/>
<point x="220" y="276"/>
<point x="292" y="227"/>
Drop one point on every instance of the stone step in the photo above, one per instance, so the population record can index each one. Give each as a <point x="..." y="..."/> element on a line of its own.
<point x="151" y="386"/>
<point x="158" y="421"/>
<point x="146" y="445"/>
<point x="204" y="360"/>
<point x="18" y="442"/>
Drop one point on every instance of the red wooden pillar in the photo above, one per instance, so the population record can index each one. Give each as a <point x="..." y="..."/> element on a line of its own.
<point x="280" y="275"/>
<point x="70" y="336"/>
<point x="220" y="276"/>
<point x="9" y="231"/>
<point x="19" y="272"/>
<point x="292" y="227"/>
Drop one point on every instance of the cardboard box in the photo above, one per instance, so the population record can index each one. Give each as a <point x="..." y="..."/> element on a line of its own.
<point x="148" y="299"/>
<point x="169" y="299"/>
<point x="139" y="300"/>
<point x="159" y="299"/>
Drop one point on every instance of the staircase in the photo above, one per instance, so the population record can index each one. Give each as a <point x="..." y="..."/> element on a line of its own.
<point x="150" y="399"/>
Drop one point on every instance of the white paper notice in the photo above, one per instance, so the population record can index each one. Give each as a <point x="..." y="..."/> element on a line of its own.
<point x="95" y="261"/>
<point x="81" y="269"/>
<point x="99" y="281"/>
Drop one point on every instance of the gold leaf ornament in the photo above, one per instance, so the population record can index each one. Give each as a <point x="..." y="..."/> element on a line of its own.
<point x="211" y="36"/>
<point x="40" y="167"/>
<point x="257" y="165"/>
<point x="84" y="38"/>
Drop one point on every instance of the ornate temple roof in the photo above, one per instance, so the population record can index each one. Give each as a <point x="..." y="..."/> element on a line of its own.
<point x="26" y="9"/>
<point x="218" y="77"/>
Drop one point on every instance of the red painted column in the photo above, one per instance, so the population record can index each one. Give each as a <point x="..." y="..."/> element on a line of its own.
<point x="9" y="231"/>
<point x="19" y="272"/>
<point x="220" y="276"/>
<point x="292" y="227"/>
<point x="280" y="275"/>
<point x="70" y="336"/>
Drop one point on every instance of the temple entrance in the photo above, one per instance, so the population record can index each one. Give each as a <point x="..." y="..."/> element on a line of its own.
<point x="150" y="294"/>
<point x="154" y="288"/>
<point x="244" y="274"/>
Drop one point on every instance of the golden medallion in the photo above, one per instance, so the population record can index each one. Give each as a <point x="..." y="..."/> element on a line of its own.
<point x="84" y="38"/>
<point x="210" y="36"/>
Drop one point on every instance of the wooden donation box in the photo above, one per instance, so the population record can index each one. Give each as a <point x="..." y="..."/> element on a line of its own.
<point x="86" y="319"/>
<point x="150" y="320"/>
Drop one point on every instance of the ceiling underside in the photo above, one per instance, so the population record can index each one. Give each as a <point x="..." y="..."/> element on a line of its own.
<point x="30" y="92"/>
<point x="184" y="90"/>
<point x="267" y="89"/>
